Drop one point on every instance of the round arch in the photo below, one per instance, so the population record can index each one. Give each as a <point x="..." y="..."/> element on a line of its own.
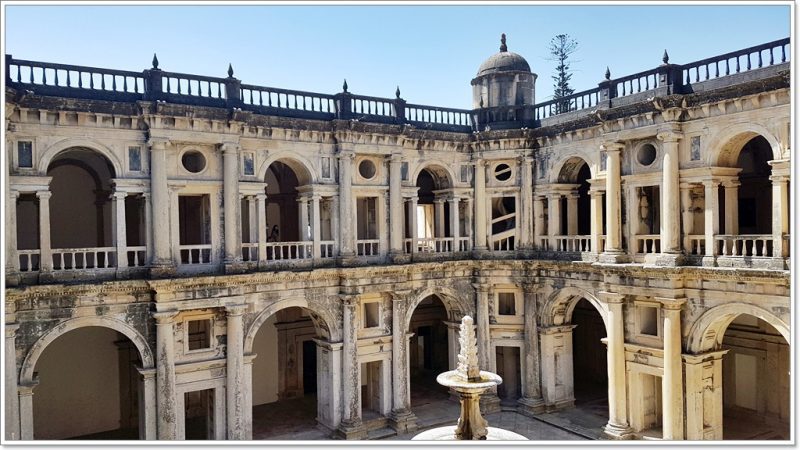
<point x="707" y="331"/>
<point x="567" y="168"/>
<point x="51" y="152"/>
<point x="28" y="365"/>
<point x="726" y="144"/>
<point x="438" y="169"/>
<point x="302" y="167"/>
<point x="327" y="321"/>
<point x="560" y="304"/>
<point x="452" y="303"/>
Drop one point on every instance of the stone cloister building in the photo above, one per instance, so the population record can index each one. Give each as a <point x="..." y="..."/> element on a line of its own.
<point x="184" y="252"/>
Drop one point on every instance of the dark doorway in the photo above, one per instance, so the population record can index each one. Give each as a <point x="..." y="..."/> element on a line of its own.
<point x="309" y="367"/>
<point x="428" y="351"/>
<point x="589" y="358"/>
<point x="199" y="410"/>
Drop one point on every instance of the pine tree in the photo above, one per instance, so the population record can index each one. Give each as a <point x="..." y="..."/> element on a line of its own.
<point x="561" y="47"/>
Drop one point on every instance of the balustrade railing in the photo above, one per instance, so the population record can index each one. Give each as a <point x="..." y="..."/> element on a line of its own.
<point x="435" y="245"/>
<point x="326" y="249"/>
<point x="193" y="85"/>
<point x="464" y="244"/>
<point x="695" y="244"/>
<point x="744" y="245"/>
<point x="756" y="57"/>
<point x="503" y="241"/>
<point x="195" y="254"/>
<point x="76" y="80"/>
<point x="249" y="251"/>
<point x="575" y="102"/>
<point x="636" y="83"/>
<point x="647" y="244"/>
<point x="282" y="251"/>
<point x="367" y="247"/>
<point x="261" y="97"/>
<point x="84" y="258"/>
<point x="573" y="243"/>
<point x="29" y="260"/>
<point x="137" y="256"/>
<point x="437" y="115"/>
<point x="372" y="106"/>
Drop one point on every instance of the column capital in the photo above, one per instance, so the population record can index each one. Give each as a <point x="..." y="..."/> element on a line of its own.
<point x="667" y="136"/>
<point x="158" y="143"/>
<point x="779" y="178"/>
<point x="13" y="194"/>
<point x="611" y="297"/>
<point x="235" y="310"/>
<point x="396" y="158"/>
<point x="164" y="317"/>
<point x="147" y="374"/>
<point x="671" y="304"/>
<point x="145" y="194"/>
<point x="401" y="295"/>
<point x="612" y="147"/>
<point x="685" y="186"/>
<point x="261" y="196"/>
<point x="481" y="287"/>
<point x="711" y="183"/>
<point x="119" y="195"/>
<point x="11" y="329"/>
<point x="45" y="195"/>
<point x="531" y="287"/>
<point x="730" y="184"/>
<point x="229" y="147"/>
<point x="350" y="300"/>
<point x="346" y="154"/>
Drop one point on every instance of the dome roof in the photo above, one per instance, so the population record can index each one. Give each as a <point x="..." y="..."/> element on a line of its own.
<point x="504" y="61"/>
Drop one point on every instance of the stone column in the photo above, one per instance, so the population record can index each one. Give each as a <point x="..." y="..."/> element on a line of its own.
<point x="613" y="251"/>
<point x="148" y="228"/>
<point x="412" y="215"/>
<point x="482" y="323"/>
<point x="45" y="252"/>
<point x="12" y="428"/>
<point x="120" y="229"/>
<point x="672" y="383"/>
<point x="395" y="205"/>
<point x="526" y="202"/>
<point x="454" y="222"/>
<point x="261" y="211"/>
<point x="235" y="372"/>
<point x="230" y="188"/>
<point x="439" y="217"/>
<point x="148" y="400"/>
<point x="248" y="397"/>
<point x="12" y="258"/>
<point x="670" y="195"/>
<point x="165" y="375"/>
<point x="572" y="214"/>
<point x="531" y="402"/>
<point x="480" y="206"/>
<point x="302" y="206"/>
<point x="617" y="426"/>
<point x="329" y="383"/>
<point x="162" y="258"/>
<point x="557" y="374"/>
<point x="336" y="231"/>
<point x="731" y="206"/>
<point x="554" y="219"/>
<point x="316" y="220"/>
<point x="780" y="215"/>
<point x="538" y="220"/>
<point x="351" y="426"/>
<point x="346" y="218"/>
<point x="687" y="217"/>
<point x="596" y="217"/>
<point x="25" y="394"/>
<point x="704" y="396"/>
<point x="402" y="419"/>
<point x="711" y="219"/>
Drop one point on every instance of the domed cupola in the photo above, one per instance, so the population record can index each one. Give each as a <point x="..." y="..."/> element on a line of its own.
<point x="505" y="79"/>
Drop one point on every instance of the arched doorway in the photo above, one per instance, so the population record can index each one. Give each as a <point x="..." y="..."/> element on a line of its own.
<point x="755" y="193"/>
<point x="575" y="217"/>
<point x="590" y="363"/>
<point x="285" y="395"/>
<point x="428" y="352"/>
<point x="755" y="381"/>
<point x="433" y="212"/>
<point x="283" y="223"/>
<point x="91" y="370"/>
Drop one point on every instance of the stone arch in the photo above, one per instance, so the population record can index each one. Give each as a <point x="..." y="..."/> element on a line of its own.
<point x="560" y="304"/>
<point x="301" y="166"/>
<point x="323" y="320"/>
<point x="707" y="331"/>
<point x="51" y="152"/>
<point x="452" y="303"/>
<point x="566" y="169"/>
<point x="724" y="147"/>
<point x="28" y="365"/>
<point x="440" y="171"/>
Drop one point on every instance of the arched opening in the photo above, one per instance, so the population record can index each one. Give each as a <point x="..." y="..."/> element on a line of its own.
<point x="590" y="363"/>
<point x="283" y="223"/>
<point x="755" y="192"/>
<point x="755" y="381"/>
<point x="575" y="210"/>
<point x="584" y="203"/>
<point x="285" y="395"/>
<point x="91" y="370"/>
<point x="428" y="352"/>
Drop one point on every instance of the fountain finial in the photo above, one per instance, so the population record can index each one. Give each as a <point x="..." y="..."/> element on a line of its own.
<point x="468" y="355"/>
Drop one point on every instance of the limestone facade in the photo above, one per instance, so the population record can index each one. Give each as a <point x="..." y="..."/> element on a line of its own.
<point x="208" y="222"/>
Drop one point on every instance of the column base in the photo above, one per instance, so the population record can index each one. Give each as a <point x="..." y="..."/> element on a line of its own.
<point x="351" y="430"/>
<point x="530" y="406"/>
<point x="403" y="421"/>
<point x="399" y="258"/>
<point x="619" y="432"/>
<point x="668" y="260"/>
<point x="347" y="259"/>
<point x="480" y="252"/>
<point x="490" y="403"/>
<point x="162" y="270"/>
<point x="13" y="278"/>
<point x="235" y="266"/>
<point x="613" y="257"/>
<point x="708" y="261"/>
<point x="46" y="276"/>
<point x="559" y="405"/>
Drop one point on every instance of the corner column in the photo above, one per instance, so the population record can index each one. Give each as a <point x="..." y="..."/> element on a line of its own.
<point x="572" y="214"/>
<point x="711" y="219"/>
<point x="347" y="234"/>
<point x="672" y="384"/>
<point x="148" y="228"/>
<point x="162" y="263"/>
<point x="45" y="252"/>
<point x="351" y="426"/>
<point x="526" y="203"/>
<point x="316" y="223"/>
<point x="531" y="402"/>
<point x="12" y="425"/>
<point x="670" y="201"/>
<point x="261" y="212"/>
<point x="596" y="216"/>
<point x="687" y="218"/>
<point x="165" y="375"/>
<point x="731" y="206"/>
<point x="480" y="207"/>
<point x="412" y="215"/>
<point x="613" y="252"/>
<point x="780" y="215"/>
<point x="395" y="205"/>
<point x="454" y="223"/>
<point x="231" y="205"/>
<point x="617" y="426"/>
<point x="120" y="229"/>
<point x="554" y="220"/>
<point x="12" y="257"/>
<point x="538" y="221"/>
<point x="402" y="419"/>
<point x="235" y="372"/>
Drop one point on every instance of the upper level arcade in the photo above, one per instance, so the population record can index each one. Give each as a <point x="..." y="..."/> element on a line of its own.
<point x="117" y="174"/>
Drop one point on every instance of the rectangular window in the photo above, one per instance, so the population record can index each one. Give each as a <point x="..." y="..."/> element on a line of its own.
<point x="248" y="164"/>
<point x="506" y="304"/>
<point x="695" y="148"/>
<point x="371" y="315"/>
<point x="648" y="320"/>
<point x="465" y="173"/>
<point x="404" y="171"/>
<point x="199" y="334"/>
<point x="326" y="167"/>
<point x="135" y="159"/>
<point x="25" y="154"/>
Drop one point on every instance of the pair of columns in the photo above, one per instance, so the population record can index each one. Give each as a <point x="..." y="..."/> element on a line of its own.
<point x="439" y="230"/>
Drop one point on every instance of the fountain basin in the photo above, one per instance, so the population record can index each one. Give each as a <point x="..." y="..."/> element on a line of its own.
<point x="453" y="379"/>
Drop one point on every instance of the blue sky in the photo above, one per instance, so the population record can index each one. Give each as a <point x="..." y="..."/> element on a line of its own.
<point x="432" y="52"/>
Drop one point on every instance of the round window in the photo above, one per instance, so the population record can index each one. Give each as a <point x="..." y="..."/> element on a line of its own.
<point x="502" y="172"/>
<point x="646" y="155"/>
<point x="366" y="169"/>
<point x="193" y="161"/>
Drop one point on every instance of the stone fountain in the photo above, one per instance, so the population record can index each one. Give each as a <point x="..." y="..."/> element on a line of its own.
<point x="469" y="382"/>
